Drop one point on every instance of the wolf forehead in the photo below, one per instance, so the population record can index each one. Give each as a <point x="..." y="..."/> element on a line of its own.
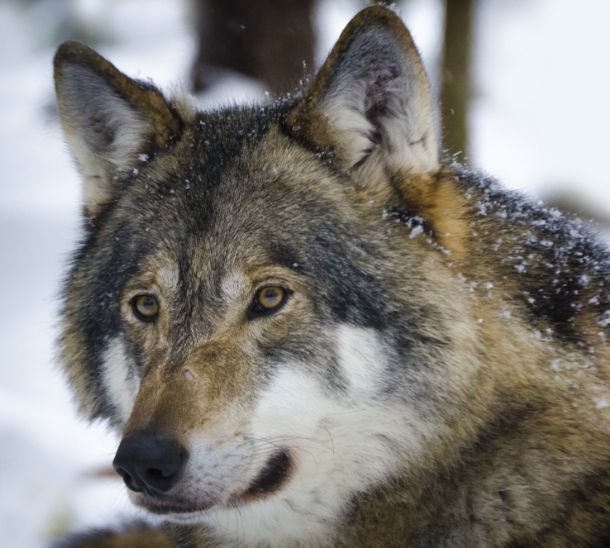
<point x="235" y="192"/>
<point x="216" y="172"/>
<point x="227" y="184"/>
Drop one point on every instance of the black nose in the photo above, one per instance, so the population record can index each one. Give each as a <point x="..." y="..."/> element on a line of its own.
<point x="147" y="462"/>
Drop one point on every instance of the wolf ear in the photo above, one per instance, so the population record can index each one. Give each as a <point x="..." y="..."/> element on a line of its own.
<point x="108" y="119"/>
<point x="370" y="104"/>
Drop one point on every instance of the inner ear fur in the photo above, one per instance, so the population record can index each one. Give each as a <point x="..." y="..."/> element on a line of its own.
<point x="370" y="105"/>
<point x="108" y="119"/>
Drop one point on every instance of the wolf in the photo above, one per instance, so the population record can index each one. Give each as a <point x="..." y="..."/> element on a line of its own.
<point x="310" y="327"/>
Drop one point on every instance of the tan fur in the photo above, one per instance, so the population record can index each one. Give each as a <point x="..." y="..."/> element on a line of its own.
<point x="440" y="203"/>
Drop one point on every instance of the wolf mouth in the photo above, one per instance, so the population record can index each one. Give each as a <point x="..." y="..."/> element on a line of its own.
<point x="272" y="477"/>
<point x="156" y="507"/>
<point x="171" y="509"/>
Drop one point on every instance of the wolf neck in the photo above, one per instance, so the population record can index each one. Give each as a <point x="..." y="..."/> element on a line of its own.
<point x="552" y="270"/>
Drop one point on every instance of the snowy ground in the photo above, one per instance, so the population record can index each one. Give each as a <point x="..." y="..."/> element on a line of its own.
<point x="540" y="119"/>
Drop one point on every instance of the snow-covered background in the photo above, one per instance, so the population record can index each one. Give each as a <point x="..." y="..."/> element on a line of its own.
<point x="540" y="120"/>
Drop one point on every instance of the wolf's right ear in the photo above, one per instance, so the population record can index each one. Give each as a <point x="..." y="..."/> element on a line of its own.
<point x="108" y="119"/>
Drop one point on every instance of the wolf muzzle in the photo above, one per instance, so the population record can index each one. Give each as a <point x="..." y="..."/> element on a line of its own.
<point x="150" y="463"/>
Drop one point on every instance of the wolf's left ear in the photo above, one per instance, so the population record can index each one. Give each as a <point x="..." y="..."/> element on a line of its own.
<point x="371" y="103"/>
<point x="108" y="119"/>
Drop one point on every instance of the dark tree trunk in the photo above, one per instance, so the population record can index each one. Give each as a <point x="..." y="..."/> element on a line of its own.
<point x="456" y="90"/>
<point x="270" y="40"/>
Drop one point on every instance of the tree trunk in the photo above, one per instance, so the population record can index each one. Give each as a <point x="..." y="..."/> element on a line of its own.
<point x="456" y="90"/>
<point x="270" y="40"/>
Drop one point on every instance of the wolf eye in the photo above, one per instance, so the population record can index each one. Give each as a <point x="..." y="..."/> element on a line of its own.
<point x="268" y="300"/>
<point x="145" y="307"/>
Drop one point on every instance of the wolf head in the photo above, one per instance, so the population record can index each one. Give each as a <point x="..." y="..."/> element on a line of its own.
<point x="244" y="309"/>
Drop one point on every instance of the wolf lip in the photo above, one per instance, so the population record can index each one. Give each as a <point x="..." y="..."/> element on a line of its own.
<point x="273" y="475"/>
<point x="169" y="507"/>
<point x="157" y="503"/>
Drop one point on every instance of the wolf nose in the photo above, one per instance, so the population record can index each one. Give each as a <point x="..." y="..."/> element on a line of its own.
<point x="147" y="462"/>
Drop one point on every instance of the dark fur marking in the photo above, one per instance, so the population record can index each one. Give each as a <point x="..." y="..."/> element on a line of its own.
<point x="286" y="256"/>
<point x="355" y="296"/>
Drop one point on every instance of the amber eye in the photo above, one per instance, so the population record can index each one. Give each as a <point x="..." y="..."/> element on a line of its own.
<point x="268" y="300"/>
<point x="145" y="307"/>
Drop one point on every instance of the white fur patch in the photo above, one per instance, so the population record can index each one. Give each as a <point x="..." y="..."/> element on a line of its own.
<point x="168" y="277"/>
<point x="119" y="378"/>
<point x="233" y="286"/>
<point x="361" y="358"/>
<point x="340" y="447"/>
<point x="345" y="115"/>
<point x="410" y="135"/>
<point x="131" y="131"/>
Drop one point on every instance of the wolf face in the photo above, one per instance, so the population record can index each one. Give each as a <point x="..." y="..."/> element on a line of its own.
<point x="274" y="305"/>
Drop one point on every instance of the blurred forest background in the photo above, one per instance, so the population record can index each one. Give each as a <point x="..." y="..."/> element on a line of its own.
<point x="523" y="87"/>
